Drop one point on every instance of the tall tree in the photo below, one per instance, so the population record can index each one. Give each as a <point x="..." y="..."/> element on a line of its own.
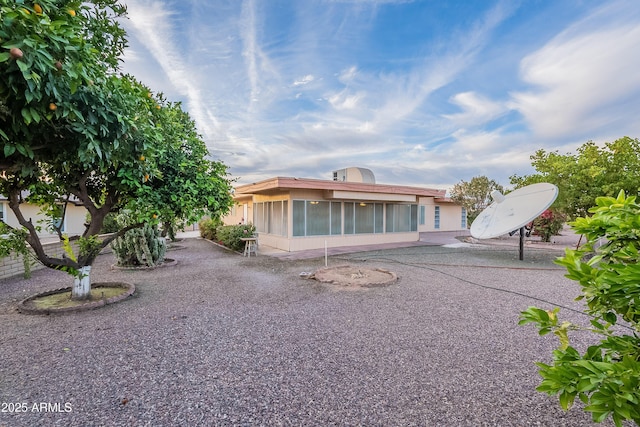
<point x="71" y="128"/>
<point x="474" y="195"/>
<point x="592" y="172"/>
<point x="188" y="185"/>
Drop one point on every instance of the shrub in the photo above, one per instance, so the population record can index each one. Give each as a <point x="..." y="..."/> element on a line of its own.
<point x="169" y="229"/>
<point x="208" y="226"/>
<point x="607" y="376"/>
<point x="230" y="235"/>
<point x="548" y="224"/>
<point x="110" y="224"/>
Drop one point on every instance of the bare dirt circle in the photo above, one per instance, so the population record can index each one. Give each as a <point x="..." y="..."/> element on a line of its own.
<point x="355" y="277"/>
<point x="59" y="300"/>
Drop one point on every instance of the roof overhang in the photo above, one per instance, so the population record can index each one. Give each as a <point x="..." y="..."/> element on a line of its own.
<point x="444" y="200"/>
<point x="360" y="195"/>
<point x="340" y="189"/>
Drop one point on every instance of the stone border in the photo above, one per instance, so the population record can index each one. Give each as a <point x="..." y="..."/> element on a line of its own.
<point x="90" y="305"/>
<point x="221" y="246"/>
<point x="168" y="262"/>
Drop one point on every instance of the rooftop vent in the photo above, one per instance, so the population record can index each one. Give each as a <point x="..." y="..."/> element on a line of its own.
<point x="354" y="175"/>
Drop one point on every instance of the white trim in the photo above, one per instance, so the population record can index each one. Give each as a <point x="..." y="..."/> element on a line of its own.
<point x="360" y="195"/>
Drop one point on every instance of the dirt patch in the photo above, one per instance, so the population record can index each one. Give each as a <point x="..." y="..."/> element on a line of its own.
<point x="355" y="277"/>
<point x="59" y="300"/>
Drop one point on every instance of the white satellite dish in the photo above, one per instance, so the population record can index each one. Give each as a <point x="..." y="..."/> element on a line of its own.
<point x="513" y="211"/>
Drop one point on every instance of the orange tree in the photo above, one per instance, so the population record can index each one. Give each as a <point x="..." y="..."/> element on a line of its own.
<point x="474" y="195"/>
<point x="606" y="377"/>
<point x="593" y="171"/>
<point x="186" y="185"/>
<point x="72" y="129"/>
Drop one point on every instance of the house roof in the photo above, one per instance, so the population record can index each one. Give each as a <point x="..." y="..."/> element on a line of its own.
<point x="278" y="184"/>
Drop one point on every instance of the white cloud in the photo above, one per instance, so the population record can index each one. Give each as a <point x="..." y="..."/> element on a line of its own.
<point x="583" y="71"/>
<point x="345" y="101"/>
<point x="372" y="2"/>
<point x="251" y="50"/>
<point x="264" y="77"/>
<point x="151" y="24"/>
<point x="239" y="88"/>
<point x="476" y="109"/>
<point x="313" y="89"/>
<point x="304" y="80"/>
<point x="348" y="75"/>
<point x="467" y="154"/>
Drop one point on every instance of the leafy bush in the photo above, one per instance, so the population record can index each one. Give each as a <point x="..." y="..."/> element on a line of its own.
<point x="548" y="224"/>
<point x="208" y="226"/>
<point x="110" y="224"/>
<point x="230" y="235"/>
<point x="607" y="377"/>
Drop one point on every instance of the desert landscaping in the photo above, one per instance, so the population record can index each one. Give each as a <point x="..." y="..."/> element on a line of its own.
<point x="221" y="339"/>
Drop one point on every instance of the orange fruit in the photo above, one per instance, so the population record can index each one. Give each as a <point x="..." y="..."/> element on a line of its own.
<point x="142" y="158"/>
<point x="72" y="12"/>
<point x="158" y="107"/>
<point x="15" y="53"/>
<point x="37" y="8"/>
<point x="53" y="107"/>
<point x="146" y="178"/>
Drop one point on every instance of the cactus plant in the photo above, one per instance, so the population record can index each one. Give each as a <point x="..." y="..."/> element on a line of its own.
<point x="140" y="247"/>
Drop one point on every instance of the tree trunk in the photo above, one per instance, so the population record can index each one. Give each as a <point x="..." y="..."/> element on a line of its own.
<point x="82" y="284"/>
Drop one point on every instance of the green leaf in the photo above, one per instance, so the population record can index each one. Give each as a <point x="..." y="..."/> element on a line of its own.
<point x="610" y="317"/>
<point x="9" y="149"/>
<point x="566" y="399"/>
<point x="23" y="67"/>
<point x="98" y="150"/>
<point x="598" y="416"/>
<point x="66" y="245"/>
<point x="597" y="324"/>
<point x="26" y="114"/>
<point x="22" y="150"/>
<point x="35" y="115"/>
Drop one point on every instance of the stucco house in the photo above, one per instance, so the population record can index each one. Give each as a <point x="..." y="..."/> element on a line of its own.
<point x="73" y="223"/>
<point x="295" y="214"/>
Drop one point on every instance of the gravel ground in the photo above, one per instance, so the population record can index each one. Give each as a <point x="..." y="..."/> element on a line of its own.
<point x="220" y="339"/>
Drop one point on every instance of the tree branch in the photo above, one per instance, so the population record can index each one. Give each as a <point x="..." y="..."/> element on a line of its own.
<point x="33" y="239"/>
<point x="120" y="233"/>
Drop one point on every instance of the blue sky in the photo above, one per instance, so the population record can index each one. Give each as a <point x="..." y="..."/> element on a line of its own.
<point x="422" y="92"/>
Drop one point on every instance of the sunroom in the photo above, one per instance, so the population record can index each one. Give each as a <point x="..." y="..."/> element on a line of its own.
<point x="295" y="214"/>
